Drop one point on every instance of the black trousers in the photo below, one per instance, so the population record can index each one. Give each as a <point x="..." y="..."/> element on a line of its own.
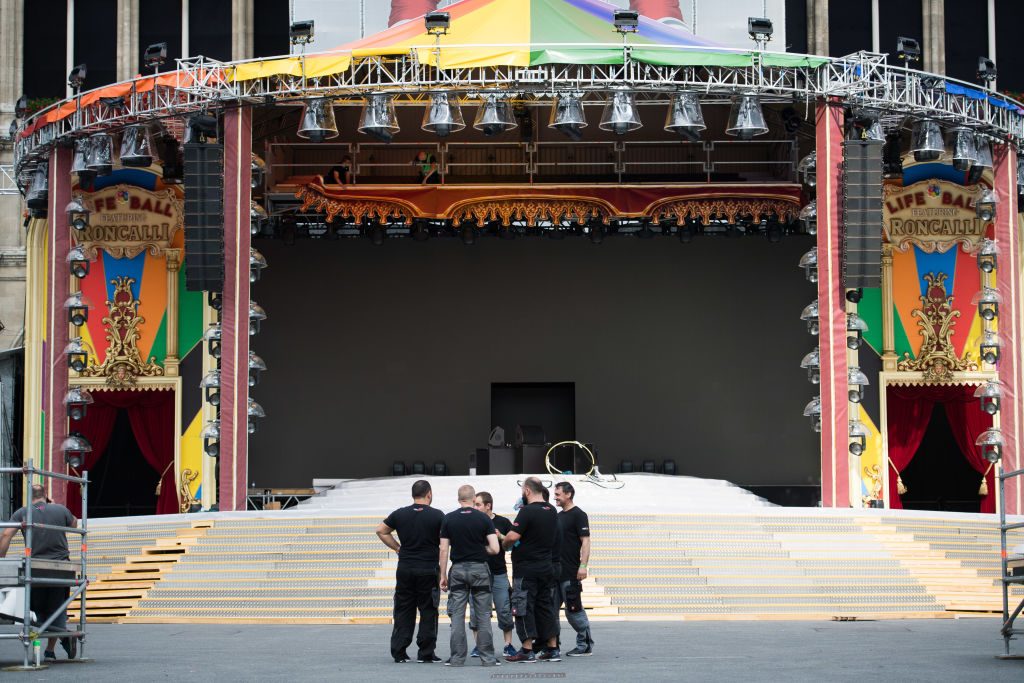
<point x="415" y="589"/>
<point x="533" y="605"/>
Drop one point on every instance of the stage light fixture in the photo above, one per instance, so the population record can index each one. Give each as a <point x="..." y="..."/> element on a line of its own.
<point x="567" y="115"/>
<point x="318" y="122"/>
<point x="397" y="469"/>
<point x="419" y="468"/>
<point x="926" y="141"/>
<point x="301" y="32"/>
<point x="668" y="467"/>
<point x="908" y="50"/>
<point x="101" y="154"/>
<point x="983" y="160"/>
<point x="257" y="262"/>
<point x="21" y="107"/>
<point x="620" y="114"/>
<point x="810" y="316"/>
<point x="813" y="411"/>
<point x="986" y="70"/>
<point x="985" y="207"/>
<point x="443" y="116"/>
<point x="494" y="115"/>
<point x="254" y="411"/>
<point x="212" y="337"/>
<point x="201" y="128"/>
<point x="987" y="300"/>
<point x="378" y="118"/>
<point x="437" y="23"/>
<point x="256" y="315"/>
<point x="684" y="116"/>
<point x="257" y="172"/>
<point x="136" y="147"/>
<point x="76" y="401"/>
<point x="75" y="446"/>
<point x="78" y="262"/>
<point x="77" y="213"/>
<point x="257" y="217"/>
<point x="991" y="442"/>
<point x="256" y="366"/>
<point x="155" y="55"/>
<point x="812" y="364"/>
<point x="807" y="169"/>
<point x="857" y="381"/>
<point x="211" y="438"/>
<point x="746" y="119"/>
<point x="77" y="308"/>
<point x="858" y="437"/>
<point x="77" y="77"/>
<point x="964" y="153"/>
<point x="989" y="395"/>
<point x="210" y="384"/>
<point x="77" y="353"/>
<point x="626" y="21"/>
<point x="760" y="30"/>
<point x="468" y="234"/>
<point x="80" y="160"/>
<point x="626" y="467"/>
<point x="38" y="193"/>
<point x="988" y="255"/>
<point x="990" y="345"/>
<point x="809" y="263"/>
<point x="856" y="325"/>
<point x="440" y="469"/>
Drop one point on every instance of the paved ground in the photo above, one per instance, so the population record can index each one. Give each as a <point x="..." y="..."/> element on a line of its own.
<point x="925" y="650"/>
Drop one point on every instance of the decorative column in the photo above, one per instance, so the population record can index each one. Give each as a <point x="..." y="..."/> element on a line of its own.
<point x="58" y="287"/>
<point x="242" y="29"/>
<point x="889" y="358"/>
<point x="817" y="27"/>
<point x="933" y="24"/>
<point x="835" y="469"/>
<point x="234" y="371"/>
<point x="171" y="360"/>
<point x="1011" y="325"/>
<point x="127" y="39"/>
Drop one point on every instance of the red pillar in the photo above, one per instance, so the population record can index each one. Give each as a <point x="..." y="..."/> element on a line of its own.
<point x="1011" y="327"/>
<point x="58" y="288"/>
<point x="835" y="474"/>
<point x="234" y="373"/>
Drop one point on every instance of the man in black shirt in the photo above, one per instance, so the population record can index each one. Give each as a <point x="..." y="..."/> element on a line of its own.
<point x="500" y="588"/>
<point x="469" y="536"/>
<point x="340" y="174"/>
<point x="574" y="536"/>
<point x="531" y="540"/>
<point x="416" y="580"/>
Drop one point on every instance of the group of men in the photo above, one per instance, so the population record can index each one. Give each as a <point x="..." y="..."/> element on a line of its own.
<point x="550" y="552"/>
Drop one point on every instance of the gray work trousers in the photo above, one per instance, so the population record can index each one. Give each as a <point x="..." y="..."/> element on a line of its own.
<point x="470" y="581"/>
<point x="578" y="620"/>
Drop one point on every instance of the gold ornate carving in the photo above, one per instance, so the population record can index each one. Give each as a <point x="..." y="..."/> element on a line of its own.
<point x="123" y="363"/>
<point x="185" y="491"/>
<point x="934" y="215"/>
<point x="874" y="473"/>
<point x="936" y="318"/>
<point x="728" y="208"/>
<point x="531" y="210"/>
<point x="125" y="220"/>
<point x="355" y="207"/>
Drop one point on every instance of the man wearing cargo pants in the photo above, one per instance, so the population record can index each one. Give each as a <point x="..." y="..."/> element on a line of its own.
<point x="468" y="536"/>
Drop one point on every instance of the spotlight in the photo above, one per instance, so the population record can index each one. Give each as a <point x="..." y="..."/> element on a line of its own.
<point x="257" y="172"/>
<point x="317" y="122"/>
<point x="813" y="411"/>
<point x="77" y="77"/>
<point x="810" y="316"/>
<point x="987" y="301"/>
<point x="212" y="337"/>
<point x="254" y="411"/>
<point x="215" y="300"/>
<point x="809" y="263"/>
<point x="812" y="364"/>
<point x="437" y="23"/>
<point x="155" y="55"/>
<point x="620" y="114"/>
<point x="210" y="384"/>
<point x="988" y="255"/>
<point x="857" y="381"/>
<point x="211" y="438"/>
<point x="990" y="345"/>
<point x="77" y="353"/>
<point x="78" y="262"/>
<point x="986" y="70"/>
<point x="926" y="141"/>
<point x="378" y="118"/>
<point x="101" y="154"/>
<point x="257" y="217"/>
<point x="494" y="116"/>
<point x="79" y="161"/>
<point x="746" y="120"/>
<point x="855" y="324"/>
<point x="76" y="401"/>
<point x="892" y="156"/>
<point x="21" y="107"/>
<point x="468" y="234"/>
<point x="760" y="30"/>
<point x="991" y="442"/>
<point x="443" y="116"/>
<point x="859" y="437"/>
<point x="377" y="234"/>
<point x="75" y="446"/>
<point x="908" y="50"/>
<point x="301" y="32"/>
<point x="567" y="116"/>
<point x="985" y="207"/>
<point x="78" y="214"/>
<point x="990" y="394"/>
<point x="964" y="153"/>
<point x="136" y="147"/>
<point x="807" y="169"/>
<point x="38" y="193"/>
<point x="257" y="262"/>
<point x="256" y="315"/>
<point x="77" y="308"/>
<point x="684" y="116"/>
<point x="256" y="366"/>
<point x="854" y="295"/>
<point x="626" y="21"/>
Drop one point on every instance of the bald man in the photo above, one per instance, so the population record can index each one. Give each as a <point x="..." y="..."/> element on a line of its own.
<point x="468" y="537"/>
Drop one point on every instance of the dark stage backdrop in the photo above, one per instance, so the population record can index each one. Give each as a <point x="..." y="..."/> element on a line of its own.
<point x="677" y="351"/>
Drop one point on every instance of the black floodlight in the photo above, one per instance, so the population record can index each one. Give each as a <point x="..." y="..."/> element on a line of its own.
<point x="908" y="50"/>
<point x="21" y="107"/>
<point x="626" y="20"/>
<point x="76" y="400"/>
<point x="986" y="70"/>
<point x="155" y="55"/>
<point x="301" y="32"/>
<point x="75" y="446"/>
<point x="760" y="29"/>
<point x="437" y="23"/>
<point x="211" y="438"/>
<point x="77" y="76"/>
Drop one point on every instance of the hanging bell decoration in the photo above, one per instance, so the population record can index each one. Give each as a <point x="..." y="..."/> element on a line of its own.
<point x="926" y="141"/>
<point x="317" y="122"/>
<point x="494" y="116"/>
<point x="136" y="147"/>
<point x="444" y="116"/>
<point x="964" y="153"/>
<point x="100" y="159"/>
<point x="620" y="114"/>
<point x="746" y="119"/>
<point x="567" y="116"/>
<point x="38" y="192"/>
<point x="378" y="118"/>
<point x="684" y="116"/>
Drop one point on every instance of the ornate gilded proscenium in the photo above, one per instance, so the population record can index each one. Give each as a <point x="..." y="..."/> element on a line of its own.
<point x="123" y="363"/>
<point x="531" y="210"/>
<point x="936" y="318"/>
<point x="730" y="209"/>
<point x="357" y="208"/>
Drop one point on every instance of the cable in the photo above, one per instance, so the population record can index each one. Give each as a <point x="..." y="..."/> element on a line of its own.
<point x="592" y="476"/>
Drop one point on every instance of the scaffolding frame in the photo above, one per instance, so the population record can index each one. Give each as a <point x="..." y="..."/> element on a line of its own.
<point x="1009" y="629"/>
<point x="29" y="632"/>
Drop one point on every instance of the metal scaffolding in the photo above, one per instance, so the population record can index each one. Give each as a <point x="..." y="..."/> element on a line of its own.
<point x="1009" y="629"/>
<point x="21" y="571"/>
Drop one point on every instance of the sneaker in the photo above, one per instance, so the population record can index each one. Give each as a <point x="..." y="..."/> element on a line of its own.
<point x="580" y="652"/>
<point x="432" y="659"/>
<point x="474" y="653"/>
<point x="551" y="654"/>
<point x="509" y="651"/>
<point x="401" y="660"/>
<point x="522" y="657"/>
<point x="70" y="646"/>
<point x="49" y="655"/>
<point x="449" y="663"/>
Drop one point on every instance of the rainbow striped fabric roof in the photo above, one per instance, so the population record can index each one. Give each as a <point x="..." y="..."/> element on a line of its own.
<point x="489" y="33"/>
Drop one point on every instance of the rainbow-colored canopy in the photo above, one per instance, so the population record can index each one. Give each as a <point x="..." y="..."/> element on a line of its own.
<point x="490" y="33"/>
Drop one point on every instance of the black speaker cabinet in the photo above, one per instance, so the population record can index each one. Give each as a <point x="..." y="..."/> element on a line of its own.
<point x="530" y="458"/>
<point x="204" y="217"/>
<point x="862" y="213"/>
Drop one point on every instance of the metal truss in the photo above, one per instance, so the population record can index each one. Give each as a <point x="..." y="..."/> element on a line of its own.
<point x="8" y="183"/>
<point x="863" y="79"/>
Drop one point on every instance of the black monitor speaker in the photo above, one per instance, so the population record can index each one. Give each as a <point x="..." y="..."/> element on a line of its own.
<point x="862" y="213"/>
<point x="649" y="467"/>
<point x="204" y="217"/>
<point x="419" y="468"/>
<point x="668" y="467"/>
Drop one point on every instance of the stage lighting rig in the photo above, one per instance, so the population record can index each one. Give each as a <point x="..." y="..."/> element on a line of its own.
<point x="76" y="400"/>
<point x="858" y="436"/>
<point x="77" y="308"/>
<point x="301" y="32"/>
<point x="987" y="300"/>
<point x="813" y="411"/>
<point x="78" y="214"/>
<point x="760" y="30"/>
<point x="908" y="50"/>
<point x="986" y="70"/>
<point x="211" y="438"/>
<point x="626" y="21"/>
<point x="620" y="114"/>
<point x="77" y="353"/>
<point x="812" y="364"/>
<point x="856" y="325"/>
<point x="857" y="381"/>
<point x="991" y="442"/>
<point x="75" y="446"/>
<point x="437" y="23"/>
<point x="155" y="56"/>
<point x="810" y="316"/>
<point x="77" y="77"/>
<point x="990" y="394"/>
<point x="988" y="255"/>
<point x="746" y="119"/>
<point x="210" y="384"/>
<point x="684" y="116"/>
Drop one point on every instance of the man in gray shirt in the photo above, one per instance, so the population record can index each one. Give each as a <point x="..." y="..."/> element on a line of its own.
<point x="47" y="544"/>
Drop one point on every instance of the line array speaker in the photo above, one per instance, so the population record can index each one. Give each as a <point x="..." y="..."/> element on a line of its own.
<point x="862" y="214"/>
<point x="204" y="217"/>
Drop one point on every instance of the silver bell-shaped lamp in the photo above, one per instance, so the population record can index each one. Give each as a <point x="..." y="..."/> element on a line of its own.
<point x="378" y="118"/>
<point x="494" y="116"/>
<point x="567" y="116"/>
<point x="444" y="116"/>
<point x="684" y="116"/>
<point x="620" y="114"/>
<point x="926" y="141"/>
<point x="136" y="147"/>
<point x="318" y="122"/>
<point x="746" y="118"/>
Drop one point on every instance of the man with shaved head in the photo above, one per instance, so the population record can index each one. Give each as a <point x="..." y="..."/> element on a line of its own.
<point x="468" y="537"/>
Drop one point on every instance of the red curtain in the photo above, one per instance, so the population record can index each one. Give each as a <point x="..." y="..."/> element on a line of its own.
<point x="967" y="421"/>
<point x="909" y="411"/>
<point x="151" y="414"/>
